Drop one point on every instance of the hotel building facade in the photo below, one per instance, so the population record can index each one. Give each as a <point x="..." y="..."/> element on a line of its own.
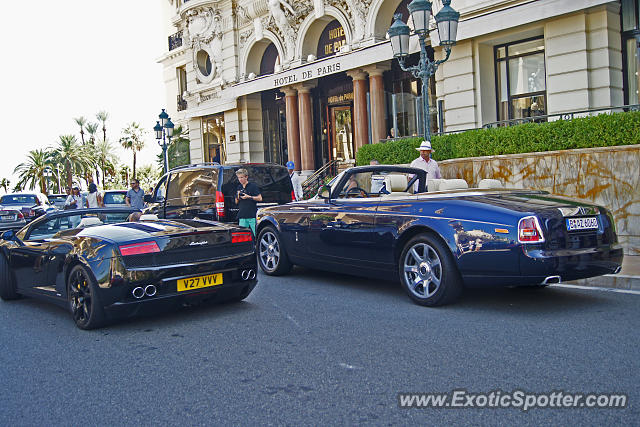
<point x="313" y="80"/>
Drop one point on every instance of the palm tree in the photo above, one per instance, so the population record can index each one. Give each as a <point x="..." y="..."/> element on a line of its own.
<point x="105" y="159"/>
<point x="178" y="149"/>
<point x="103" y="116"/>
<point x="124" y="174"/>
<point x="31" y="172"/>
<point x="81" y="121"/>
<point x="74" y="158"/>
<point x="5" y="183"/>
<point x="92" y="128"/>
<point x="133" y="140"/>
<point x="148" y="175"/>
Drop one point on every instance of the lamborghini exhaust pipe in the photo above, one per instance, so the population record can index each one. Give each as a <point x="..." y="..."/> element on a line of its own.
<point x="138" y="292"/>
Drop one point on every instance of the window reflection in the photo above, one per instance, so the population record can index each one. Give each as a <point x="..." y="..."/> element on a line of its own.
<point x="521" y="78"/>
<point x="213" y="136"/>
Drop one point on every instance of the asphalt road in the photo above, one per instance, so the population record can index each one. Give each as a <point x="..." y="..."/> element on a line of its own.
<point x="313" y="348"/>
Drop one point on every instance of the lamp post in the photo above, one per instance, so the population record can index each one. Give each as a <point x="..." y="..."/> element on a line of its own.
<point x="164" y="130"/>
<point x="399" y="33"/>
<point x="47" y="172"/>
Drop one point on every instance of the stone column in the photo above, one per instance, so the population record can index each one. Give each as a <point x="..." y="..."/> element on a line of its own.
<point x="306" y="129"/>
<point x="360" y="117"/>
<point x="376" y="96"/>
<point x="293" y="129"/>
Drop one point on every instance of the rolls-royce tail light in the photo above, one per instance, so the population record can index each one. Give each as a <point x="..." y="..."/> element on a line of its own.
<point x="529" y="230"/>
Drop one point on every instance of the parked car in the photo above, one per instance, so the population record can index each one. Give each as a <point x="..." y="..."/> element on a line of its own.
<point x="114" y="198"/>
<point x="11" y="219"/>
<point x="101" y="267"/>
<point x="208" y="191"/>
<point x="32" y="205"/>
<point x="57" y="200"/>
<point x="370" y="223"/>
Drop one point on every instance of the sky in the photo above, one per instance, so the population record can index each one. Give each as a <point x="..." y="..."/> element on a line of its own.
<point x="71" y="58"/>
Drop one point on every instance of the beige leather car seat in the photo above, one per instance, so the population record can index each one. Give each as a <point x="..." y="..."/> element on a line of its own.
<point x="434" y="184"/>
<point x="89" y="221"/>
<point x="453" y="184"/>
<point x="396" y="185"/>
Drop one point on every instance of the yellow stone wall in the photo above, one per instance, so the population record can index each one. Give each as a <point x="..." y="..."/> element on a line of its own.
<point x="608" y="176"/>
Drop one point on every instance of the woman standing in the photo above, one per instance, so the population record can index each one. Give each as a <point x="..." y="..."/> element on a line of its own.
<point x="94" y="200"/>
<point x="74" y="199"/>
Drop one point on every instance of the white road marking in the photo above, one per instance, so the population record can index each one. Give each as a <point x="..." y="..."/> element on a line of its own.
<point x="347" y="366"/>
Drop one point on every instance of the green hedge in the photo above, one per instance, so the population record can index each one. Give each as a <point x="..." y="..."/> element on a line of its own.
<point x="597" y="131"/>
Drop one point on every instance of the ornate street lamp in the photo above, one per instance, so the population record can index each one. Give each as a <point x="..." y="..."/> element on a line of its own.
<point x="399" y="33"/>
<point x="47" y="172"/>
<point x="164" y="130"/>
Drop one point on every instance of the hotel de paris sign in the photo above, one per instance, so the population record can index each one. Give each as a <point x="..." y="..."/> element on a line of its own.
<point x="307" y="74"/>
<point x="329" y="44"/>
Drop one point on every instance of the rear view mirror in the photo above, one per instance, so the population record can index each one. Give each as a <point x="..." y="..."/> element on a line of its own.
<point x="148" y="198"/>
<point x="8" y="235"/>
<point x="324" y="192"/>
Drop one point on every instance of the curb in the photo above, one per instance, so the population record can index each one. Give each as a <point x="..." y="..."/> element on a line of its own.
<point x="610" y="281"/>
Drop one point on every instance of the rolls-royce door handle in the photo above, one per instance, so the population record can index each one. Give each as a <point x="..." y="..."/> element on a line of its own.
<point x="319" y="208"/>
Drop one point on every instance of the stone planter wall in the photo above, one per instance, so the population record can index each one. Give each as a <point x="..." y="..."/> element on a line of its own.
<point x="609" y="176"/>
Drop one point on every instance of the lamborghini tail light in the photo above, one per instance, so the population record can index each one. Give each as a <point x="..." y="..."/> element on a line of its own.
<point x="241" y="236"/>
<point x="139" y="248"/>
<point x="529" y="230"/>
<point x="219" y="204"/>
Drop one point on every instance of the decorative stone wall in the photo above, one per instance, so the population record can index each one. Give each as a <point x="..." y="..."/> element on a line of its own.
<point x="608" y="176"/>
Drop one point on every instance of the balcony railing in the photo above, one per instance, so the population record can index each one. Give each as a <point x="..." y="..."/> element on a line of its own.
<point x="175" y="40"/>
<point x="182" y="103"/>
<point x="562" y="116"/>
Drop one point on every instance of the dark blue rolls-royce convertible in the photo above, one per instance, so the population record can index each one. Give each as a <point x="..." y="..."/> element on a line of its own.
<point x="438" y="236"/>
<point x="101" y="267"/>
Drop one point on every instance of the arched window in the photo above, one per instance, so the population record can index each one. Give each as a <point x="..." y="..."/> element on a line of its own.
<point x="331" y="39"/>
<point x="269" y="60"/>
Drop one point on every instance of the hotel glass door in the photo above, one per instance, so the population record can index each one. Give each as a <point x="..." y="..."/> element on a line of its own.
<point x="342" y="134"/>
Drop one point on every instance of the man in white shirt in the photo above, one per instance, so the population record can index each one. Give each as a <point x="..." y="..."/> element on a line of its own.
<point x="425" y="162"/>
<point x="295" y="181"/>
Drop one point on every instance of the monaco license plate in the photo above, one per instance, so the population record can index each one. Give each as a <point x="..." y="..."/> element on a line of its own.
<point x="589" y="223"/>
<point x="7" y="218"/>
<point x="199" y="282"/>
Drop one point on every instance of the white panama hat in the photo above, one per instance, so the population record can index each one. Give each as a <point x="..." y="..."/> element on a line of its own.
<point x="424" y="146"/>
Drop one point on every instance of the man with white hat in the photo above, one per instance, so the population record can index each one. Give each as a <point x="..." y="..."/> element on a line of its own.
<point x="426" y="163"/>
<point x="295" y="181"/>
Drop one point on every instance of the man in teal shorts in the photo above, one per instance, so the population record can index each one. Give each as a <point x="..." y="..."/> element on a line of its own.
<point x="247" y="196"/>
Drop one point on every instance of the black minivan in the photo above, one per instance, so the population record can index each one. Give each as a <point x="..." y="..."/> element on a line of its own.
<point x="208" y="190"/>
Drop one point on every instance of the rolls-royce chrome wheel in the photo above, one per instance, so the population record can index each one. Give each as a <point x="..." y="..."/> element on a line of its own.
<point x="272" y="258"/>
<point x="428" y="272"/>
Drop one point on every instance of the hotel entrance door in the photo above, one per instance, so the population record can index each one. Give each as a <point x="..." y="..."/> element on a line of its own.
<point x="341" y="143"/>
